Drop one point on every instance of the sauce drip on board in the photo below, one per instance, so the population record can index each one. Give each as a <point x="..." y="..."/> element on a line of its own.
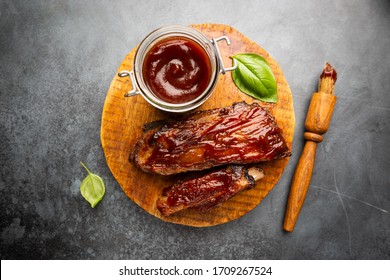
<point x="177" y="70"/>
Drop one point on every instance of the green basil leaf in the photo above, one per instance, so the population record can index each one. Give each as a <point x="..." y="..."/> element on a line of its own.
<point x="254" y="77"/>
<point x="92" y="188"/>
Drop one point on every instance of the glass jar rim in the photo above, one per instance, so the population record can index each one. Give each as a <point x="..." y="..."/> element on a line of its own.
<point x="170" y="32"/>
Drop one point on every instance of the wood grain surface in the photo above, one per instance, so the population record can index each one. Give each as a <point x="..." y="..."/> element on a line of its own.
<point x="123" y="118"/>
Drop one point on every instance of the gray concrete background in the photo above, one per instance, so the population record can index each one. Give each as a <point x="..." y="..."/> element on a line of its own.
<point x="57" y="59"/>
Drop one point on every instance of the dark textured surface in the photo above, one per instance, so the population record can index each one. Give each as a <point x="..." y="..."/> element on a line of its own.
<point x="57" y="59"/>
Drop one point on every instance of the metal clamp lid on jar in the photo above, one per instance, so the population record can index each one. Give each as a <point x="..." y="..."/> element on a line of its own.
<point x="211" y="48"/>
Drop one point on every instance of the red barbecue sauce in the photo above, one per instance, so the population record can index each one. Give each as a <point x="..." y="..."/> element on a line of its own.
<point x="177" y="70"/>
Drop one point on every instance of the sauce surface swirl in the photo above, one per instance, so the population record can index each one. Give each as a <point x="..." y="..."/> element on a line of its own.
<point x="177" y="70"/>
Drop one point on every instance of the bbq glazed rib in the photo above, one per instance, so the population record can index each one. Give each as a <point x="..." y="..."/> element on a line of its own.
<point x="238" y="134"/>
<point x="209" y="190"/>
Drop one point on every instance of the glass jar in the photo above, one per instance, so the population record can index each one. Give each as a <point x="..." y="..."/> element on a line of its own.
<point x="139" y="75"/>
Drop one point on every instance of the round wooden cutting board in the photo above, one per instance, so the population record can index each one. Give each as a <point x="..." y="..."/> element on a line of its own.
<point x="123" y="118"/>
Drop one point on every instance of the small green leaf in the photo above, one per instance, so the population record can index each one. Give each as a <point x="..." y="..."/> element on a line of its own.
<point x="254" y="77"/>
<point x="92" y="188"/>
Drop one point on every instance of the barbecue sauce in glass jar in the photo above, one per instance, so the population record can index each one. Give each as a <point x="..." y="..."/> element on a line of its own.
<point x="177" y="70"/>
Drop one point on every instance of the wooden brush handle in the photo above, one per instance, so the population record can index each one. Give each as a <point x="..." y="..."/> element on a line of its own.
<point x="300" y="184"/>
<point x="317" y="123"/>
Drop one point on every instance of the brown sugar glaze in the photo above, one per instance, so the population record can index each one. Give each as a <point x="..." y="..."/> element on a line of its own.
<point x="177" y="70"/>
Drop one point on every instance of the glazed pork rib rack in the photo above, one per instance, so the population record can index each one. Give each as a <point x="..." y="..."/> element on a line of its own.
<point x="238" y="134"/>
<point x="209" y="190"/>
